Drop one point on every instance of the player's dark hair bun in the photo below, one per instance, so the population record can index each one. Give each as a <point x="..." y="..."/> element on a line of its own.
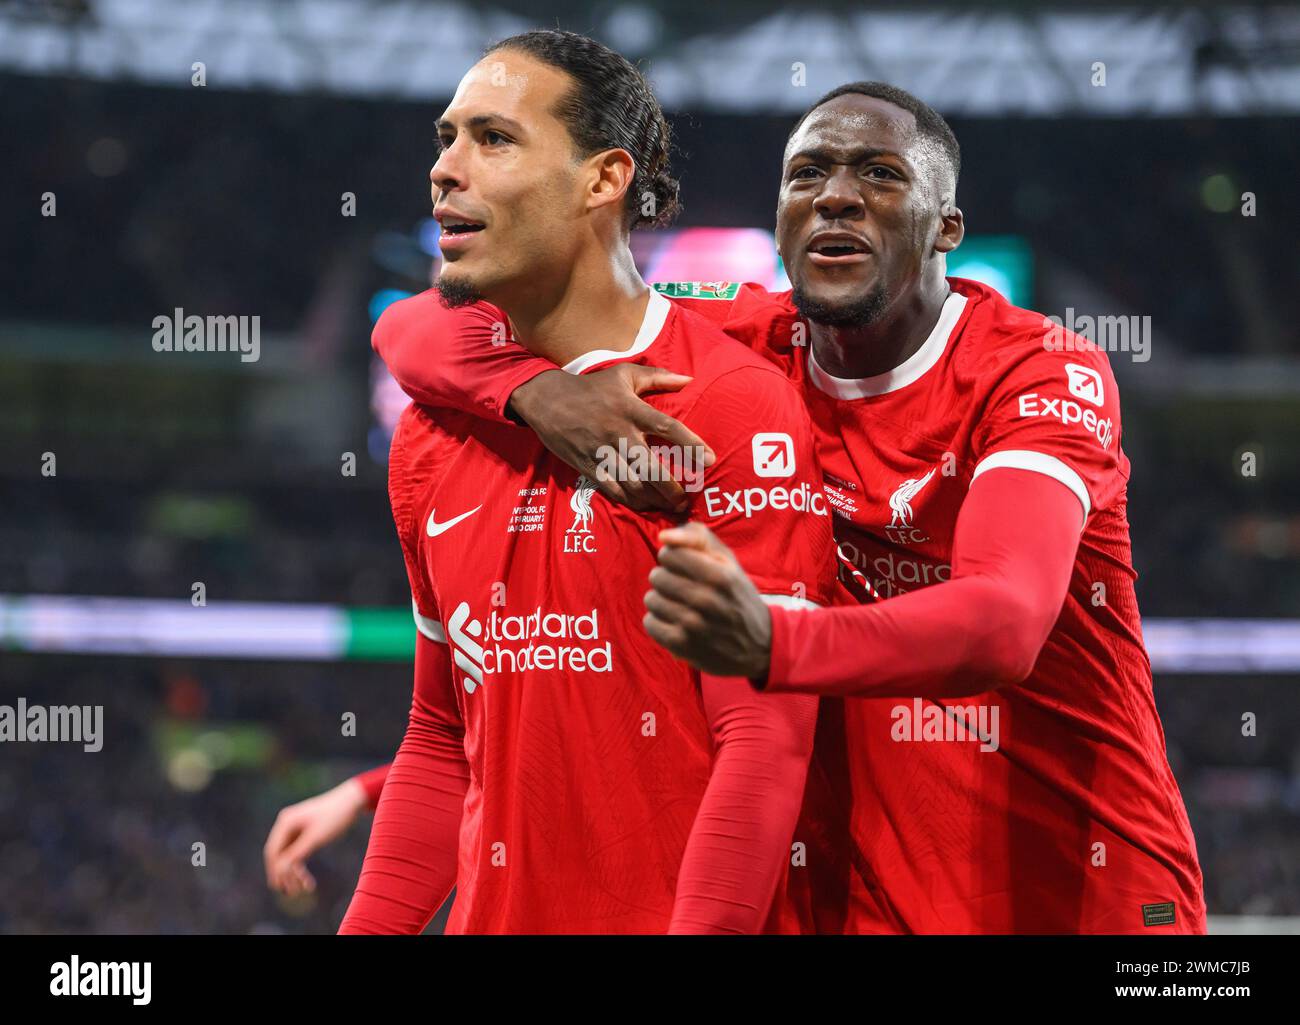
<point x="665" y="190"/>
<point x="611" y="107"/>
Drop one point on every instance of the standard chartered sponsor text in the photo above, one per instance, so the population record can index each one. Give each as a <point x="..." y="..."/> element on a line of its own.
<point x="542" y="640"/>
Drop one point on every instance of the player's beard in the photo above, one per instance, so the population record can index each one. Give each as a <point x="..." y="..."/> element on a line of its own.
<point x="858" y="312"/>
<point x="457" y="291"/>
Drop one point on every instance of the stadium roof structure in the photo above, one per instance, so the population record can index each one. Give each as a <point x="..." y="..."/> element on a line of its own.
<point x="1005" y="59"/>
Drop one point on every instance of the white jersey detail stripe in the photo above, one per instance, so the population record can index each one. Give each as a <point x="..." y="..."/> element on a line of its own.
<point x="788" y="601"/>
<point x="431" y="628"/>
<point x="910" y="370"/>
<point x="1038" y="462"/>
<point x="656" y="312"/>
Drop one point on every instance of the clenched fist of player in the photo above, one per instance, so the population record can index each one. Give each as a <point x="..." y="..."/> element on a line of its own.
<point x="704" y="609"/>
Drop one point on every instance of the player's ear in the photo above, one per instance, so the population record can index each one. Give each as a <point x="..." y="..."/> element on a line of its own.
<point x="612" y="171"/>
<point x="952" y="227"/>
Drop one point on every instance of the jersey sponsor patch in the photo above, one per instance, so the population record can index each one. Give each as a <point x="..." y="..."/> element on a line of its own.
<point x="773" y="455"/>
<point x="1068" y="412"/>
<point x="1085" y="383"/>
<point x="698" y="289"/>
<point x="545" y="640"/>
<point x="748" y="501"/>
<point x="1158" y="914"/>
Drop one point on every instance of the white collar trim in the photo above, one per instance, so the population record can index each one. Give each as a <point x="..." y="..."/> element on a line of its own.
<point x="907" y="372"/>
<point x="656" y="312"/>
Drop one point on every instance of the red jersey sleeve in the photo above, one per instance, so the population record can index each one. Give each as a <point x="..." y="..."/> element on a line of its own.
<point x="1013" y="553"/>
<point x="466" y="358"/>
<point x="1055" y="413"/>
<point x="763" y="497"/>
<point x="463" y="358"/>
<point x="372" y="782"/>
<point x="739" y="845"/>
<point x="411" y="860"/>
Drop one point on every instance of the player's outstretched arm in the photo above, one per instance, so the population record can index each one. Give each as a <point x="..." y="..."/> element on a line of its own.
<point x="458" y="358"/>
<point x="1013" y="554"/>
<point x="411" y="860"/>
<point x="302" y="829"/>
<point x="465" y="357"/>
<point x="740" y="841"/>
<point x="462" y="359"/>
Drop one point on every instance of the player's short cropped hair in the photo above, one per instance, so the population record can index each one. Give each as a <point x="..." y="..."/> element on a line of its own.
<point x="611" y="106"/>
<point x="929" y="122"/>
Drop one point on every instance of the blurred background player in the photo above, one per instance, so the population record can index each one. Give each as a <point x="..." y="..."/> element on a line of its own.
<point x="301" y="829"/>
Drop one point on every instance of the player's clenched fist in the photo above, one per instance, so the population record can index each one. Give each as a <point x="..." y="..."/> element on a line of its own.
<point x="704" y="609"/>
<point x="301" y="829"/>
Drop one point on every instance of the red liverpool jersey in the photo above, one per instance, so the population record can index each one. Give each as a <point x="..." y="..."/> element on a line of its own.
<point x="1068" y="817"/>
<point x="587" y="745"/>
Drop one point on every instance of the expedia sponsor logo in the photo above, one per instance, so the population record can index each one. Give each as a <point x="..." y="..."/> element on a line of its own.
<point x="773" y="455"/>
<point x="540" y="640"/>
<point x="800" y="498"/>
<point x="1068" y="412"/>
<point x="1085" y="383"/>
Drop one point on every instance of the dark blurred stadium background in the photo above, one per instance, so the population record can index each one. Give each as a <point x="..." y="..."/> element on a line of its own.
<point x="1116" y="199"/>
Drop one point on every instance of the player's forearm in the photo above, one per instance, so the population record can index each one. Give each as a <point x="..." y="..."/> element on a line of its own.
<point x="456" y="358"/>
<point x="1017" y="536"/>
<point x="740" y="841"/>
<point x="963" y="637"/>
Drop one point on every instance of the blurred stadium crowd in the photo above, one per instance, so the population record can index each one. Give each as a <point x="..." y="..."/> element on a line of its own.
<point x="208" y="751"/>
<point x="203" y="752"/>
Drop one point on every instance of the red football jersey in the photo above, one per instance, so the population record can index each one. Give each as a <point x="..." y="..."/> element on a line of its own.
<point x="1067" y="818"/>
<point x="587" y="744"/>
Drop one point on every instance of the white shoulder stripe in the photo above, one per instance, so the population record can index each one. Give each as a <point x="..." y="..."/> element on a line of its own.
<point x="431" y="628"/>
<point x="788" y="601"/>
<point x="1038" y="462"/>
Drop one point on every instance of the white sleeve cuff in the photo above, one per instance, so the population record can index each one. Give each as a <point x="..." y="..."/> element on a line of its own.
<point x="1038" y="462"/>
<point x="431" y="628"/>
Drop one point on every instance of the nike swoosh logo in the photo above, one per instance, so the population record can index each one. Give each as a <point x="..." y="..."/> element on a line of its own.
<point x="435" y="528"/>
